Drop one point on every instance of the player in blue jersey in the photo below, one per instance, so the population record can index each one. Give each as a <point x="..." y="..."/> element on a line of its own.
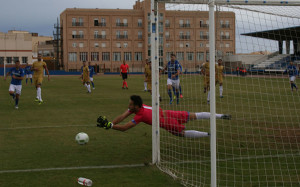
<point x="180" y="91"/>
<point x="292" y="72"/>
<point x="28" y="73"/>
<point x="15" y="87"/>
<point x="173" y="70"/>
<point x="92" y="71"/>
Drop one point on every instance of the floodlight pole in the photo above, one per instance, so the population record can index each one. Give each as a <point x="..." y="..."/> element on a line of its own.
<point x="213" y="137"/>
<point x="155" y="83"/>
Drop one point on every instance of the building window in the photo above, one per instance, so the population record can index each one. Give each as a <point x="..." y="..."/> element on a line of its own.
<point x="207" y="45"/>
<point x="140" y="35"/>
<point x="229" y="53"/>
<point x="74" y="34"/>
<point x="94" y="56"/>
<point x="168" y="56"/>
<point x="161" y="17"/>
<point x="140" y="45"/>
<point x="73" y="57"/>
<point x="127" y="56"/>
<point x="103" y="45"/>
<point x="24" y="59"/>
<point x="1" y="60"/>
<point x="207" y="56"/>
<point x="140" y="22"/>
<point x="103" y="21"/>
<point x="96" y="22"/>
<point x="190" y="56"/>
<point x="161" y="51"/>
<point x="167" y="45"/>
<point x="105" y="56"/>
<point x="180" y="56"/>
<point x="187" y="45"/>
<point x="161" y="62"/>
<point x="125" y="44"/>
<point x="227" y="45"/>
<point x="149" y="15"/>
<point x="167" y="33"/>
<point x="80" y="34"/>
<point x="200" y="56"/>
<point x="73" y="21"/>
<point x="149" y="28"/>
<point x="138" y="56"/>
<point x="181" y="45"/>
<point x="118" y="21"/>
<point x="83" y="56"/>
<point x="80" y="44"/>
<point x="116" y="56"/>
<point x="149" y="52"/>
<point x="167" y="23"/>
<point x="125" y="33"/>
<point x="8" y="60"/>
<point x="96" y="44"/>
<point x="125" y="23"/>
<point x="161" y="39"/>
<point x="181" y="23"/>
<point x="161" y="27"/>
<point x="118" y="45"/>
<point x="201" y="45"/>
<point x="74" y="44"/>
<point x="149" y="39"/>
<point x="80" y="22"/>
<point x="16" y="58"/>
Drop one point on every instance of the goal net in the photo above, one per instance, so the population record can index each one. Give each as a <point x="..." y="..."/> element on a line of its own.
<point x="260" y="145"/>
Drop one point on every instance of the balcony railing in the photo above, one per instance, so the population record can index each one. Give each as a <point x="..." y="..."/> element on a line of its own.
<point x="204" y="37"/>
<point x="185" y="25"/>
<point x="77" y="36"/>
<point x="167" y="25"/>
<point x="100" y="24"/>
<point x="202" y="25"/>
<point x="122" y="24"/>
<point x="225" y="37"/>
<point x="100" y="36"/>
<point x="77" y="23"/>
<point x="122" y="36"/>
<point x="186" y="37"/>
<point x="225" y="26"/>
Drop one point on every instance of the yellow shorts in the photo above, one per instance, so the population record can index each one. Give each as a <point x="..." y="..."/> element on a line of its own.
<point x="149" y="85"/>
<point x="206" y="81"/>
<point x="219" y="80"/>
<point x="86" y="79"/>
<point x="38" y="80"/>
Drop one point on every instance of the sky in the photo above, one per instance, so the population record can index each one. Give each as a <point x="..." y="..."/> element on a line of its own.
<point x="39" y="16"/>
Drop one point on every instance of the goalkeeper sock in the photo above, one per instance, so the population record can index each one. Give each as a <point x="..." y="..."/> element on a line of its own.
<point x="221" y="90"/>
<point x="206" y="115"/>
<point x="195" y="134"/>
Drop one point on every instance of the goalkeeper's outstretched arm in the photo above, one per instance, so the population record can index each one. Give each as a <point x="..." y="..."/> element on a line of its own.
<point x="121" y="117"/>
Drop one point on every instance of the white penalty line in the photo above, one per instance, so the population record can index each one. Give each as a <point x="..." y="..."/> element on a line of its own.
<point x="73" y="168"/>
<point x="46" y="127"/>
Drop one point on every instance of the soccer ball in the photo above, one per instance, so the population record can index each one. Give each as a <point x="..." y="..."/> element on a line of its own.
<point x="82" y="138"/>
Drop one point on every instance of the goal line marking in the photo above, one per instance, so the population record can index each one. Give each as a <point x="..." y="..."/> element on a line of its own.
<point x="44" y="127"/>
<point x="72" y="168"/>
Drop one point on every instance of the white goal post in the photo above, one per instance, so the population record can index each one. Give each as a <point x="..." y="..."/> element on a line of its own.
<point x="212" y="7"/>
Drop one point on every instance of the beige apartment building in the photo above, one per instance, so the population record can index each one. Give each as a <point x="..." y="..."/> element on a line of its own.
<point x="106" y="37"/>
<point x="15" y="45"/>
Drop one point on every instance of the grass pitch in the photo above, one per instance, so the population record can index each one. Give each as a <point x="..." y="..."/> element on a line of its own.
<point x="265" y="122"/>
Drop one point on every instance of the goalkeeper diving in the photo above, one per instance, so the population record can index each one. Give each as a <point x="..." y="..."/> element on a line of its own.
<point x="170" y="120"/>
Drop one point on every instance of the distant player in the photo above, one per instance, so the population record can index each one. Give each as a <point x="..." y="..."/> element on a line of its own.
<point x="28" y="73"/>
<point x="180" y="91"/>
<point x="85" y="76"/>
<point x="292" y="71"/>
<point x="205" y="73"/>
<point x="145" y="70"/>
<point x="219" y="76"/>
<point x="38" y="68"/>
<point x="15" y="87"/>
<point x="92" y="72"/>
<point x="173" y="70"/>
<point x="171" y="121"/>
<point x="148" y="77"/>
<point x="124" y="70"/>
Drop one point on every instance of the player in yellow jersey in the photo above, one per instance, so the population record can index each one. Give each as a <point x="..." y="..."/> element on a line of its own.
<point x="219" y="76"/>
<point x="38" y="69"/>
<point x="205" y="73"/>
<point x="86" y="77"/>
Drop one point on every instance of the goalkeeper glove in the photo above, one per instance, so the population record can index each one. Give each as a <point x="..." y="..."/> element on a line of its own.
<point x="104" y="123"/>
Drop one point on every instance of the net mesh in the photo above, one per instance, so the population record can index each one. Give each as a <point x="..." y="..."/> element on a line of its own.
<point x="260" y="145"/>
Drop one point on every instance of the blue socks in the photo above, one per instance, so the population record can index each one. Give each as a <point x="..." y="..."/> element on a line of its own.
<point x="170" y="94"/>
<point x="93" y="85"/>
<point x="17" y="102"/>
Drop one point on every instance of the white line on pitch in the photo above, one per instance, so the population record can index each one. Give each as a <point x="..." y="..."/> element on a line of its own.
<point x="44" y="127"/>
<point x="72" y="168"/>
